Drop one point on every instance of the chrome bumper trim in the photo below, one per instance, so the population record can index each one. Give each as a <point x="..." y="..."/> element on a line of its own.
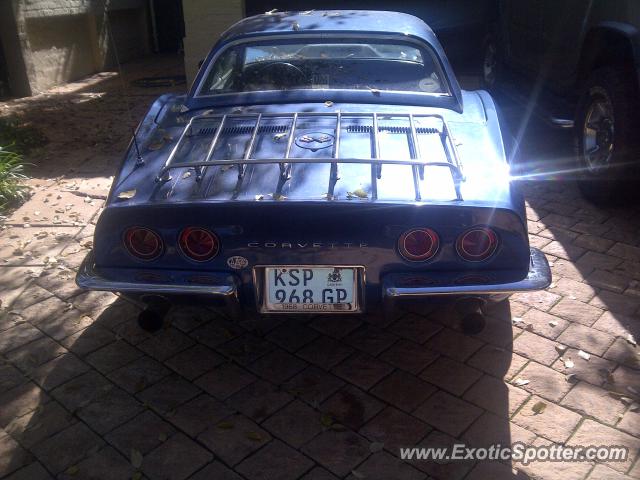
<point x="88" y="278"/>
<point x="538" y="278"/>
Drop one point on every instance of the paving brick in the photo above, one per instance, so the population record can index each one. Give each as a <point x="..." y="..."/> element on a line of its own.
<point x="454" y="345"/>
<point x="574" y="290"/>
<point x="296" y="424"/>
<point x="627" y="252"/>
<point x="200" y="413"/>
<point x="624" y="377"/>
<point x="12" y="456"/>
<point x="563" y="250"/>
<point x="225" y="380"/>
<point x="325" y="352"/>
<point x="382" y="466"/>
<point x="630" y="423"/>
<point x="59" y="370"/>
<point x="544" y="381"/>
<point x="556" y="220"/>
<point x="292" y="335"/>
<point x="395" y="429"/>
<point x="319" y="473"/>
<point x="409" y="356"/>
<point x="234" y="439"/>
<point x="602" y="472"/>
<point x="81" y="390"/>
<point x="371" y="339"/>
<point x="593" y="401"/>
<point x="142" y="433"/>
<point x="88" y="340"/>
<point x="615" y="324"/>
<point x="544" y="324"/>
<point x="336" y="326"/>
<point x="491" y="429"/>
<point x="31" y="294"/>
<point x="497" y="331"/>
<point x="585" y="338"/>
<point x="415" y="327"/>
<point x="590" y="430"/>
<point x="593" y="260"/>
<point x="109" y="410"/>
<point x="450" y="375"/>
<point x="165" y="343"/>
<point x="313" y="385"/>
<point x="567" y="269"/>
<point x="351" y="407"/>
<point x="450" y="470"/>
<point x="555" y="423"/>
<point x="276" y="461"/>
<point x="46" y="420"/>
<point x="67" y="447"/>
<point x="608" y="281"/>
<point x="277" y="366"/>
<point x="362" y="370"/>
<point x="535" y="347"/>
<point x="168" y="394"/>
<point x="576" y="311"/>
<point x="188" y="317"/>
<point x="246" y="348"/>
<point x="217" y="471"/>
<point x="139" y="374"/>
<point x="447" y="413"/>
<point x="403" y="390"/>
<point x="10" y="377"/>
<point x="593" y="242"/>
<point x="19" y="401"/>
<point x="18" y="336"/>
<point x="259" y="400"/>
<point x="175" y="459"/>
<point x="217" y="332"/>
<point x="113" y="356"/>
<point x="105" y="464"/>
<point x="64" y="323"/>
<point x="537" y="242"/>
<point x="496" y="396"/>
<point x="496" y="361"/>
<point x="542" y="300"/>
<point x="33" y="471"/>
<point x="34" y="354"/>
<point x="616" y="302"/>
<point x="495" y="469"/>
<point x="555" y="470"/>
<point x="338" y="452"/>
<point x="593" y="371"/>
<point x="623" y="352"/>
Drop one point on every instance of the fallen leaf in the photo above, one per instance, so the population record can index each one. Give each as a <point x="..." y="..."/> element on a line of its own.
<point x="517" y="320"/>
<point x="626" y="400"/>
<point x="72" y="470"/>
<point x="568" y="363"/>
<point x="584" y="355"/>
<point x="225" y="425"/>
<point x="186" y="174"/>
<point x="521" y="381"/>
<point x="255" y="436"/>
<point x="631" y="339"/>
<point x="326" y="419"/>
<point x="572" y="378"/>
<point x="136" y="476"/>
<point x="127" y="194"/>
<point x="561" y="349"/>
<point x="162" y="437"/>
<point x="136" y="458"/>
<point x="553" y="323"/>
<point x="338" y="427"/>
<point x="539" y="407"/>
<point x="358" y="475"/>
<point x="328" y="103"/>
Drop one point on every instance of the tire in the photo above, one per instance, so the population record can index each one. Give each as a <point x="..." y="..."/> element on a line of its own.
<point x="606" y="144"/>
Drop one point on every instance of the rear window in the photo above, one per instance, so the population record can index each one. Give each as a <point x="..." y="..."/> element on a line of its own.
<point x="324" y="64"/>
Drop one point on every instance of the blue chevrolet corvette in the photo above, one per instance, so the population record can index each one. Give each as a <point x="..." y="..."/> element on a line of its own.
<point x="322" y="162"/>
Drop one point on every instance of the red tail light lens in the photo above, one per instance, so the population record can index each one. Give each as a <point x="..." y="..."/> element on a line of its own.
<point x="477" y="244"/>
<point x="419" y="244"/>
<point x="143" y="243"/>
<point x="199" y="244"/>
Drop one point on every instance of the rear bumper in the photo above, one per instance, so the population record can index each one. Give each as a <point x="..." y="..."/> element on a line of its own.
<point x="538" y="278"/>
<point x="226" y="288"/>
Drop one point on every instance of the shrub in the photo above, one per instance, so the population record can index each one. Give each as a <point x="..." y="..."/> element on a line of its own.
<point x="12" y="191"/>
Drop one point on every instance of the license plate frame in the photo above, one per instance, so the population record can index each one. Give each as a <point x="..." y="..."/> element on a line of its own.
<point x="266" y="306"/>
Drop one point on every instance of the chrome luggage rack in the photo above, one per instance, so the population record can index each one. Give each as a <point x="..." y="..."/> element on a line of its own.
<point x="417" y="159"/>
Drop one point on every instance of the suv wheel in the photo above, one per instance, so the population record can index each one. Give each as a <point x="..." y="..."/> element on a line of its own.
<point x="606" y="122"/>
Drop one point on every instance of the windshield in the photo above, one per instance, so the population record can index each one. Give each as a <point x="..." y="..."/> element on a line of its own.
<point x="350" y="65"/>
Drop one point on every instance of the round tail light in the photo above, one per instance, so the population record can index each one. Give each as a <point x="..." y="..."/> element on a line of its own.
<point x="199" y="244"/>
<point x="143" y="243"/>
<point x="477" y="244"/>
<point x="419" y="244"/>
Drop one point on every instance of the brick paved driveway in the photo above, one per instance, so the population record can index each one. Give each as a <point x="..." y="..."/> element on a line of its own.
<point x="84" y="393"/>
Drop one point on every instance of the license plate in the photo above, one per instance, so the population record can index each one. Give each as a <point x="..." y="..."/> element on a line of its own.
<point x="310" y="289"/>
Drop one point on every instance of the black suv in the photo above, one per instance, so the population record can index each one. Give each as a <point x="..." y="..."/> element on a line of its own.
<point x="586" y="52"/>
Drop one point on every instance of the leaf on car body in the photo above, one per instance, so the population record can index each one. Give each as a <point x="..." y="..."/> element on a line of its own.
<point x="127" y="194"/>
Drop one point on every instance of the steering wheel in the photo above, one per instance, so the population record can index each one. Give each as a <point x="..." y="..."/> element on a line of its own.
<point x="282" y="74"/>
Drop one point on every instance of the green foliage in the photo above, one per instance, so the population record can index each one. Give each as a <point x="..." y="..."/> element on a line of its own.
<point x="12" y="191"/>
<point x="22" y="138"/>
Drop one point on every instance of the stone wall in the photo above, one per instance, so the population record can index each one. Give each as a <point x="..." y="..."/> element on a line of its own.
<point x="204" y="21"/>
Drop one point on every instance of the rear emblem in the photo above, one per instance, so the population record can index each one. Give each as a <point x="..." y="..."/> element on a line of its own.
<point x="335" y="276"/>
<point x="314" y="140"/>
<point x="237" y="262"/>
